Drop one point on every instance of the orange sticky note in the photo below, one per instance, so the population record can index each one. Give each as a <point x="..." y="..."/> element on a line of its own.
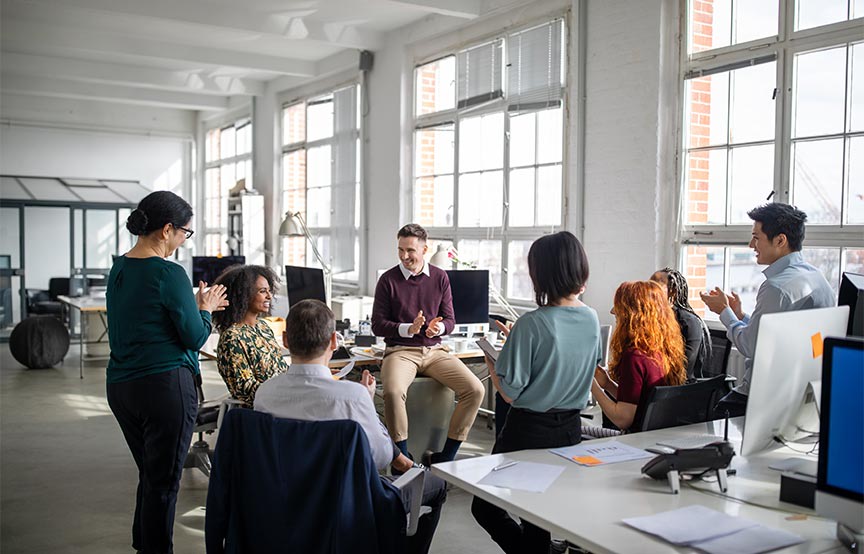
<point x="816" y="342"/>
<point x="587" y="460"/>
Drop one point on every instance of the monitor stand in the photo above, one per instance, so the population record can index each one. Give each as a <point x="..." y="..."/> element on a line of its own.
<point x="853" y="541"/>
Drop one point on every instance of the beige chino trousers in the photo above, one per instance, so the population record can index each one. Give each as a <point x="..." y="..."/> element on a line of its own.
<point x="402" y="364"/>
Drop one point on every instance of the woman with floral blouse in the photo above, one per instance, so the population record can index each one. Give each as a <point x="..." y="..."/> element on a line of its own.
<point x="248" y="354"/>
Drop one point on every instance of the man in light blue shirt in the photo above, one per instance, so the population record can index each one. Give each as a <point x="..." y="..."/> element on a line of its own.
<point x="790" y="284"/>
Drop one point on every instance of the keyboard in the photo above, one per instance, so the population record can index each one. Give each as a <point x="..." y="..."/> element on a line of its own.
<point x="692" y="441"/>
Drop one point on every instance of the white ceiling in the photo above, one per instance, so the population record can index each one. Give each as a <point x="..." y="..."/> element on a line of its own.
<point x="191" y="54"/>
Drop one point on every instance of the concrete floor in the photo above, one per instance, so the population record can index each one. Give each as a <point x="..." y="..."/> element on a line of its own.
<point x="67" y="480"/>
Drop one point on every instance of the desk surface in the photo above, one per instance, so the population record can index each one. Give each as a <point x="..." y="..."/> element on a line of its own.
<point x="85" y="303"/>
<point x="209" y="351"/>
<point x="585" y="505"/>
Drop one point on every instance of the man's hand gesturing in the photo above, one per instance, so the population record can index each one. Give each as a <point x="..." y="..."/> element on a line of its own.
<point x="418" y="323"/>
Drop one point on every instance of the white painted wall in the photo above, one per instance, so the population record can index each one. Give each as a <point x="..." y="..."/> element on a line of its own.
<point x="157" y="162"/>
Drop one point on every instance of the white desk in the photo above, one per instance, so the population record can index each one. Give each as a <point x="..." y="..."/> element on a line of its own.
<point x="86" y="305"/>
<point x="585" y="505"/>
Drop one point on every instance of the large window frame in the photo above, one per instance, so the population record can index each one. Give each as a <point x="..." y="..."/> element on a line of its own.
<point x="297" y="250"/>
<point x="781" y="49"/>
<point x="220" y="162"/>
<point x="514" y="239"/>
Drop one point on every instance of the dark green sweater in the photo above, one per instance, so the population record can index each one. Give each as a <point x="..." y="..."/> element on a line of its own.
<point x="154" y="324"/>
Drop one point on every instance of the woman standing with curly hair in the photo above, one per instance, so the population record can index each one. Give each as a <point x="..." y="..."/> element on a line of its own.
<point x="248" y="353"/>
<point x="646" y="350"/>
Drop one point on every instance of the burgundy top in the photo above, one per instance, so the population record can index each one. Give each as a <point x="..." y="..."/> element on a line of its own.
<point x="397" y="300"/>
<point x="637" y="374"/>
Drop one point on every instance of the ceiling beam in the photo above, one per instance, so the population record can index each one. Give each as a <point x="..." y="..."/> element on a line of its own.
<point x="136" y="76"/>
<point x="18" y="37"/>
<point x="465" y="9"/>
<point x="63" y="88"/>
<point x="287" y="23"/>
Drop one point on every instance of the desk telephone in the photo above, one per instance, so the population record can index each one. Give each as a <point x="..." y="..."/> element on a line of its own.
<point x="714" y="457"/>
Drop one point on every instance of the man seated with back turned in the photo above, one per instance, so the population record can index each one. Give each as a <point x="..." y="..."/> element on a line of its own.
<point x="308" y="392"/>
<point x="405" y="297"/>
<point x="790" y="284"/>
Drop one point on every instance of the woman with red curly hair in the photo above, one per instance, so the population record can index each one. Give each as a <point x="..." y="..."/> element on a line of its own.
<point x="646" y="350"/>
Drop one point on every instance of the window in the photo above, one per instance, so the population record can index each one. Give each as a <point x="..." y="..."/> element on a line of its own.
<point x="489" y="150"/>
<point x="778" y="118"/>
<point x="321" y="179"/>
<point x="227" y="160"/>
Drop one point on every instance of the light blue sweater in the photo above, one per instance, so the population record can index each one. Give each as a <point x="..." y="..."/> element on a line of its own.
<point x="549" y="359"/>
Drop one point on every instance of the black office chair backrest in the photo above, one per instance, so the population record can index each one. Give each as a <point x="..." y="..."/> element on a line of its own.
<point x="679" y="405"/>
<point x="721" y="346"/>
<point x="58" y="286"/>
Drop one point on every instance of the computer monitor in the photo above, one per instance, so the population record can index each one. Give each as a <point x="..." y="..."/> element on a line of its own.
<point x="788" y="357"/>
<point x="840" y="477"/>
<point x="852" y="295"/>
<point x="302" y="283"/>
<point x="470" y="288"/>
<point x="208" y="268"/>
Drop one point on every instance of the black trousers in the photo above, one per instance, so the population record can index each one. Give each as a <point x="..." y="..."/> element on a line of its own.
<point x="157" y="415"/>
<point x="526" y="430"/>
<point x="434" y="495"/>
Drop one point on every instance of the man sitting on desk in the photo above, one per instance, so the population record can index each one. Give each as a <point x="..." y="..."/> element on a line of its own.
<point x="790" y="284"/>
<point x="405" y="297"/>
<point x="307" y="391"/>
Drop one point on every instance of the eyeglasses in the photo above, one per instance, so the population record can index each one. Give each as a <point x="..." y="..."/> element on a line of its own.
<point x="189" y="232"/>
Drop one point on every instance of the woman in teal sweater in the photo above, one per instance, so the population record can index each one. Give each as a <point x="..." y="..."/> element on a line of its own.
<point x="155" y="327"/>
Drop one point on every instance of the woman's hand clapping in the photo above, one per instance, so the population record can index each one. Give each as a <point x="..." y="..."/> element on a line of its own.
<point x="212" y="299"/>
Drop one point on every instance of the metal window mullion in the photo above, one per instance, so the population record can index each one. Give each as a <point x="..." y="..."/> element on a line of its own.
<point x="505" y="177"/>
<point x="783" y="128"/>
<point x="457" y="132"/>
<point x="847" y="142"/>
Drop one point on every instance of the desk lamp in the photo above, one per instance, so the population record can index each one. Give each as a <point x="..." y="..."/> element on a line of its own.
<point x="294" y="226"/>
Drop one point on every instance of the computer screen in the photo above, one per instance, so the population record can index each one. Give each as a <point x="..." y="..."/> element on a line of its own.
<point x="302" y="283"/>
<point x="208" y="268"/>
<point x="470" y="290"/>
<point x="840" y="478"/>
<point x="788" y="357"/>
<point x="852" y="295"/>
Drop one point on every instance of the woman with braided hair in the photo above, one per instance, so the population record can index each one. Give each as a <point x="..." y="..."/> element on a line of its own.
<point x="697" y="340"/>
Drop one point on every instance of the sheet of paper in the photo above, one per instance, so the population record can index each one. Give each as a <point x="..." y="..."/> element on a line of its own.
<point x="344" y="371"/>
<point x="592" y="453"/>
<point x="524" y="476"/>
<point x="752" y="540"/>
<point x="689" y="525"/>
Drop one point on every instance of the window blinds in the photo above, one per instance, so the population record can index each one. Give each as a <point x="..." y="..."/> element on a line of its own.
<point x="535" y="72"/>
<point x="345" y="179"/>
<point x="479" y="79"/>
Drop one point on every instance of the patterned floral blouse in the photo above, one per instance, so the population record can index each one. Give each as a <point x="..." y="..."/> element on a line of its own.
<point x="247" y="356"/>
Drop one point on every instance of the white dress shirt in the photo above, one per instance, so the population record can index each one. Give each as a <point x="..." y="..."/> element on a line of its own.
<point x="790" y="284"/>
<point x="309" y="393"/>
<point x="403" y="327"/>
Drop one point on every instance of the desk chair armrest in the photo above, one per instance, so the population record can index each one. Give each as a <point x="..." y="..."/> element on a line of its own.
<point x="227" y="404"/>
<point x="410" y="485"/>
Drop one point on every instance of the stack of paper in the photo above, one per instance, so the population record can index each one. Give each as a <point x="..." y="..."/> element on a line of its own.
<point x="713" y="532"/>
<point x="600" y="453"/>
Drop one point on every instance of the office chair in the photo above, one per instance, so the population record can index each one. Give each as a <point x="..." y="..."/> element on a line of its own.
<point x="283" y="485"/>
<point x="42" y="302"/>
<point x="208" y="420"/>
<point x="680" y="405"/>
<point x="721" y="346"/>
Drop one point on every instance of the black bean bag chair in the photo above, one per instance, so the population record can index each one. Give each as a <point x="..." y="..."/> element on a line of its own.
<point x="39" y="342"/>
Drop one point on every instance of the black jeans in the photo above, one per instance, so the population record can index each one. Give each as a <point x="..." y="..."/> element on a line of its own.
<point x="157" y="415"/>
<point x="434" y="495"/>
<point x="526" y="430"/>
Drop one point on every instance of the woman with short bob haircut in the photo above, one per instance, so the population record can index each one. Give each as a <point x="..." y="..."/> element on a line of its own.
<point x="646" y="350"/>
<point x="248" y="353"/>
<point x="544" y="372"/>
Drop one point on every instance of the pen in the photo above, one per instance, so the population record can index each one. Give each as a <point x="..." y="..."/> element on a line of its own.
<point x="505" y="466"/>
